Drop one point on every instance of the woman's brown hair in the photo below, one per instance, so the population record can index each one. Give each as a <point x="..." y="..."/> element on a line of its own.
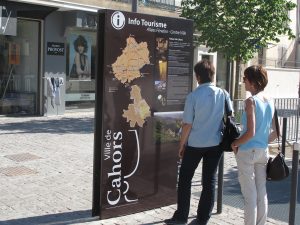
<point x="257" y="75"/>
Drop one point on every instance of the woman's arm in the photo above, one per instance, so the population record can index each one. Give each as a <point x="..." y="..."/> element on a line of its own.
<point x="186" y="129"/>
<point x="273" y="134"/>
<point x="250" y="132"/>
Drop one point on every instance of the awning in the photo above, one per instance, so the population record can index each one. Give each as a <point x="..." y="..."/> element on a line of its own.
<point x="28" y="10"/>
<point x="61" y="5"/>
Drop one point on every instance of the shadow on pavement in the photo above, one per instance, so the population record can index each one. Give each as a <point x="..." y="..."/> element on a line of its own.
<point x="278" y="195"/>
<point x="152" y="223"/>
<point x="193" y="222"/>
<point x="57" y="219"/>
<point x="70" y="125"/>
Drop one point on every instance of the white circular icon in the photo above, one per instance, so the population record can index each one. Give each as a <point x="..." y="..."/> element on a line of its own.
<point x="118" y="20"/>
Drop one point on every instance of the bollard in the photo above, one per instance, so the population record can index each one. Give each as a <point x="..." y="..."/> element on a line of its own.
<point x="284" y="125"/>
<point x="294" y="183"/>
<point x="220" y="185"/>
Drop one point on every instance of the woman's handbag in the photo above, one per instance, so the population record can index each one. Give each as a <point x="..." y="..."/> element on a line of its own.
<point x="230" y="130"/>
<point x="276" y="167"/>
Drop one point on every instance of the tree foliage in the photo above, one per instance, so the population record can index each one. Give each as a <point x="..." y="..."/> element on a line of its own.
<point x="238" y="28"/>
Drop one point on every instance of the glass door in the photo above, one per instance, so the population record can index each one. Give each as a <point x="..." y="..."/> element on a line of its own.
<point x="19" y="69"/>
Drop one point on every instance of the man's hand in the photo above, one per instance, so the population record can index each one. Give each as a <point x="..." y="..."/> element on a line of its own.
<point x="181" y="151"/>
<point x="186" y="129"/>
<point x="234" y="147"/>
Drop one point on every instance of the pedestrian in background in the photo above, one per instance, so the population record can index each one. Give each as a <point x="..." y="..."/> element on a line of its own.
<point x="200" y="139"/>
<point x="251" y="148"/>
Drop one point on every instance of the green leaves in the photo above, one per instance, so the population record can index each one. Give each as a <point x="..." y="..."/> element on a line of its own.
<point x="238" y="27"/>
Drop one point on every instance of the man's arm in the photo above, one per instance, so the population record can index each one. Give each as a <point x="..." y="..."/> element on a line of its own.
<point x="186" y="129"/>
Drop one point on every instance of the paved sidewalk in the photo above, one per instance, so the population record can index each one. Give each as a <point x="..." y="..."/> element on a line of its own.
<point x="46" y="166"/>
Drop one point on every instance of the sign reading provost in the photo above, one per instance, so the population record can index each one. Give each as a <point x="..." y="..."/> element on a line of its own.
<point x="144" y="74"/>
<point x="55" y="48"/>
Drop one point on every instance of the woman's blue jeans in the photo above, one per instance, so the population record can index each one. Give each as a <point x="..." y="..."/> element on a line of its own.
<point x="192" y="156"/>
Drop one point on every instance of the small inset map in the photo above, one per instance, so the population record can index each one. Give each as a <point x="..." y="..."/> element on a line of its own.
<point x="134" y="56"/>
<point x="139" y="110"/>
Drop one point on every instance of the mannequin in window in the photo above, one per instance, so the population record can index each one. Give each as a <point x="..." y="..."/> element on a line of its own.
<point x="80" y="68"/>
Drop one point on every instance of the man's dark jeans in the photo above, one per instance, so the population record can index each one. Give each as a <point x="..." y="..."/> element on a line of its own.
<point x="192" y="156"/>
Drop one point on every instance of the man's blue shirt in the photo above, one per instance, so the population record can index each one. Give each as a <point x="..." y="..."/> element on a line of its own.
<point x="204" y="109"/>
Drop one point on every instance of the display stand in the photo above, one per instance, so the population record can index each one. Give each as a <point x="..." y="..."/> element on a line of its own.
<point x="54" y="94"/>
<point x="141" y="59"/>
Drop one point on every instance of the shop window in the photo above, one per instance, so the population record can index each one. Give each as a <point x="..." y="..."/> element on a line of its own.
<point x="19" y="66"/>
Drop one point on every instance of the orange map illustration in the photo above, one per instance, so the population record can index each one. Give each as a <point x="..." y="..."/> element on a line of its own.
<point x="127" y="66"/>
<point x="139" y="110"/>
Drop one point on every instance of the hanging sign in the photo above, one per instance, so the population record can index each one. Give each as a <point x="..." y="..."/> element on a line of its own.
<point x="8" y="21"/>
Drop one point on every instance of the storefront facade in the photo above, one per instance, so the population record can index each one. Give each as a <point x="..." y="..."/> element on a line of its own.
<point x="20" y="62"/>
<point x="47" y="55"/>
<point x="69" y="60"/>
<point x="46" y="59"/>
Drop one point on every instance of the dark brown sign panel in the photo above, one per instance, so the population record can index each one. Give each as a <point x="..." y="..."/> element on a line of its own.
<point x="146" y="66"/>
<point x="55" y="48"/>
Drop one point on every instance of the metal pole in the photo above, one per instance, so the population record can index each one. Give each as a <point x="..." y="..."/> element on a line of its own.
<point x="229" y="78"/>
<point x="294" y="184"/>
<point x="283" y="135"/>
<point x="134" y="5"/>
<point x="220" y="185"/>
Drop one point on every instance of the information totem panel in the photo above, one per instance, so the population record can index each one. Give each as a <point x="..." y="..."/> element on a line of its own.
<point x="145" y="69"/>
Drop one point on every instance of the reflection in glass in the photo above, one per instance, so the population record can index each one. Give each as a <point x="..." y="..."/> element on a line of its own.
<point x="19" y="69"/>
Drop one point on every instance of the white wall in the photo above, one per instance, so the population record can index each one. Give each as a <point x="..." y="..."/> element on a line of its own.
<point x="282" y="83"/>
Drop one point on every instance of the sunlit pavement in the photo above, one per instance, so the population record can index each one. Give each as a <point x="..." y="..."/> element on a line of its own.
<point x="46" y="171"/>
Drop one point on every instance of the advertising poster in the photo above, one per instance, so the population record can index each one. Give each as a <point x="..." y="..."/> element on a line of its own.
<point x="79" y="57"/>
<point x="146" y="66"/>
<point x="80" y="65"/>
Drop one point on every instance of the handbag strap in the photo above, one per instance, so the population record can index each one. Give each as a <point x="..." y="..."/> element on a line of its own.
<point x="227" y="112"/>
<point x="277" y="128"/>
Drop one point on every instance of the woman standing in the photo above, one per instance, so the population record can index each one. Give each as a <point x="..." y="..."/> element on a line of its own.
<point x="251" y="148"/>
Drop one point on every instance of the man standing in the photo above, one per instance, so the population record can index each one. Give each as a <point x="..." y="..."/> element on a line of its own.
<point x="200" y="139"/>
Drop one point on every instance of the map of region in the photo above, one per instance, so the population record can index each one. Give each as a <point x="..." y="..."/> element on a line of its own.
<point x="139" y="110"/>
<point x="127" y="66"/>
